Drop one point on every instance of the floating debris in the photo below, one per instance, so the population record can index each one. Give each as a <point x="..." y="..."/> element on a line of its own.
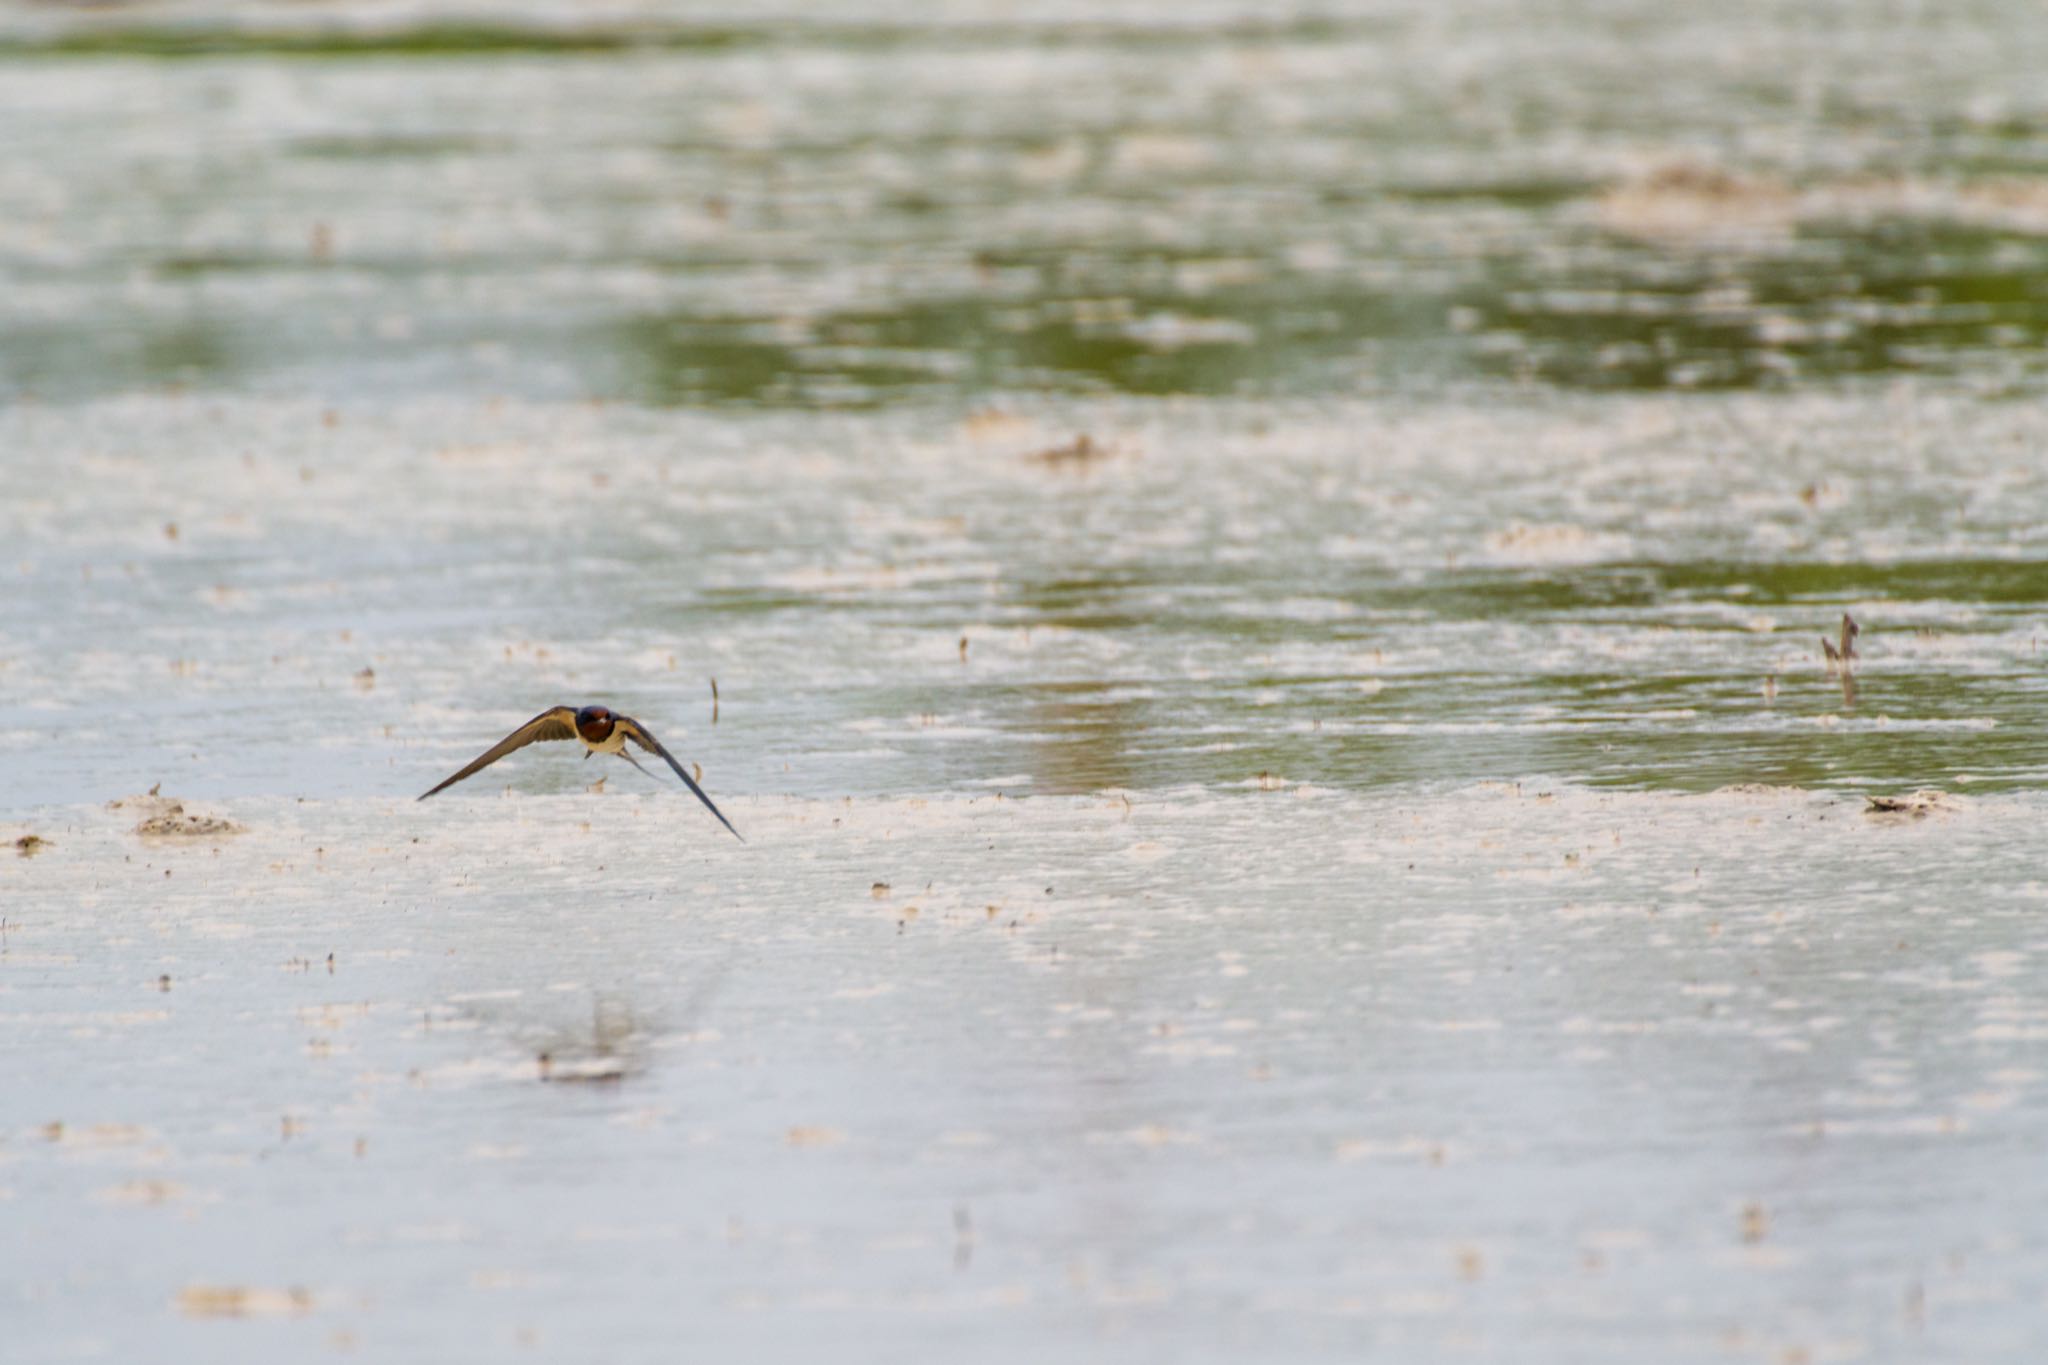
<point x="1553" y="543"/>
<point x="1688" y="201"/>
<point x="1919" y="805"/>
<point x="240" y="1301"/>
<point x="602" y="1069"/>
<point x="367" y="678"/>
<point x="147" y="1192"/>
<point x="29" y="845"/>
<point x="1079" y="453"/>
<point x="177" y="822"/>
<point x="1756" y="1223"/>
<point x="167" y="818"/>
<point x="991" y="423"/>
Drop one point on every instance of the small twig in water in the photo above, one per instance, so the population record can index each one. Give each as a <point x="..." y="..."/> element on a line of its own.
<point x="1841" y="657"/>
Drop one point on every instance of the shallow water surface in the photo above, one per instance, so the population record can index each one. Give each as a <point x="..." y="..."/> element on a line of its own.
<point x="1367" y="595"/>
<point x="1553" y="1074"/>
<point x="1253" y="579"/>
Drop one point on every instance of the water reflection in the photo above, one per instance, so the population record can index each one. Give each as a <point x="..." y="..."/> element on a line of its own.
<point x="1602" y="320"/>
<point x="61" y="359"/>
<point x="1083" y="737"/>
<point x="612" y="1048"/>
<point x="1037" y="329"/>
<point x="1905" y="295"/>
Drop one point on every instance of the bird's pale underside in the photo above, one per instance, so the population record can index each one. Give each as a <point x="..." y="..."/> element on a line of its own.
<point x="602" y="731"/>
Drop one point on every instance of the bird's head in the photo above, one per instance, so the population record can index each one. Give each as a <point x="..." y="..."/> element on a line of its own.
<point x="595" y="723"/>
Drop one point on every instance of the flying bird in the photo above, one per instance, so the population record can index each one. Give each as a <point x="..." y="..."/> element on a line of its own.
<point x="602" y="730"/>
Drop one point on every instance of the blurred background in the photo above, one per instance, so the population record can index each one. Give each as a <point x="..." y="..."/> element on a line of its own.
<point x="850" y="205"/>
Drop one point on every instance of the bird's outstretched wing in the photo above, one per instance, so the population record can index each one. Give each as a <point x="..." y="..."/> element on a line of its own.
<point x="638" y="734"/>
<point x="557" y="722"/>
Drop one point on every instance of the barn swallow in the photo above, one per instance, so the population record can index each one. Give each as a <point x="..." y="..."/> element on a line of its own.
<point x="602" y="730"/>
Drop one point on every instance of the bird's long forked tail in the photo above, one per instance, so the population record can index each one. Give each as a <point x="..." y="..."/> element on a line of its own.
<point x="639" y="734"/>
<point x="706" y="800"/>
